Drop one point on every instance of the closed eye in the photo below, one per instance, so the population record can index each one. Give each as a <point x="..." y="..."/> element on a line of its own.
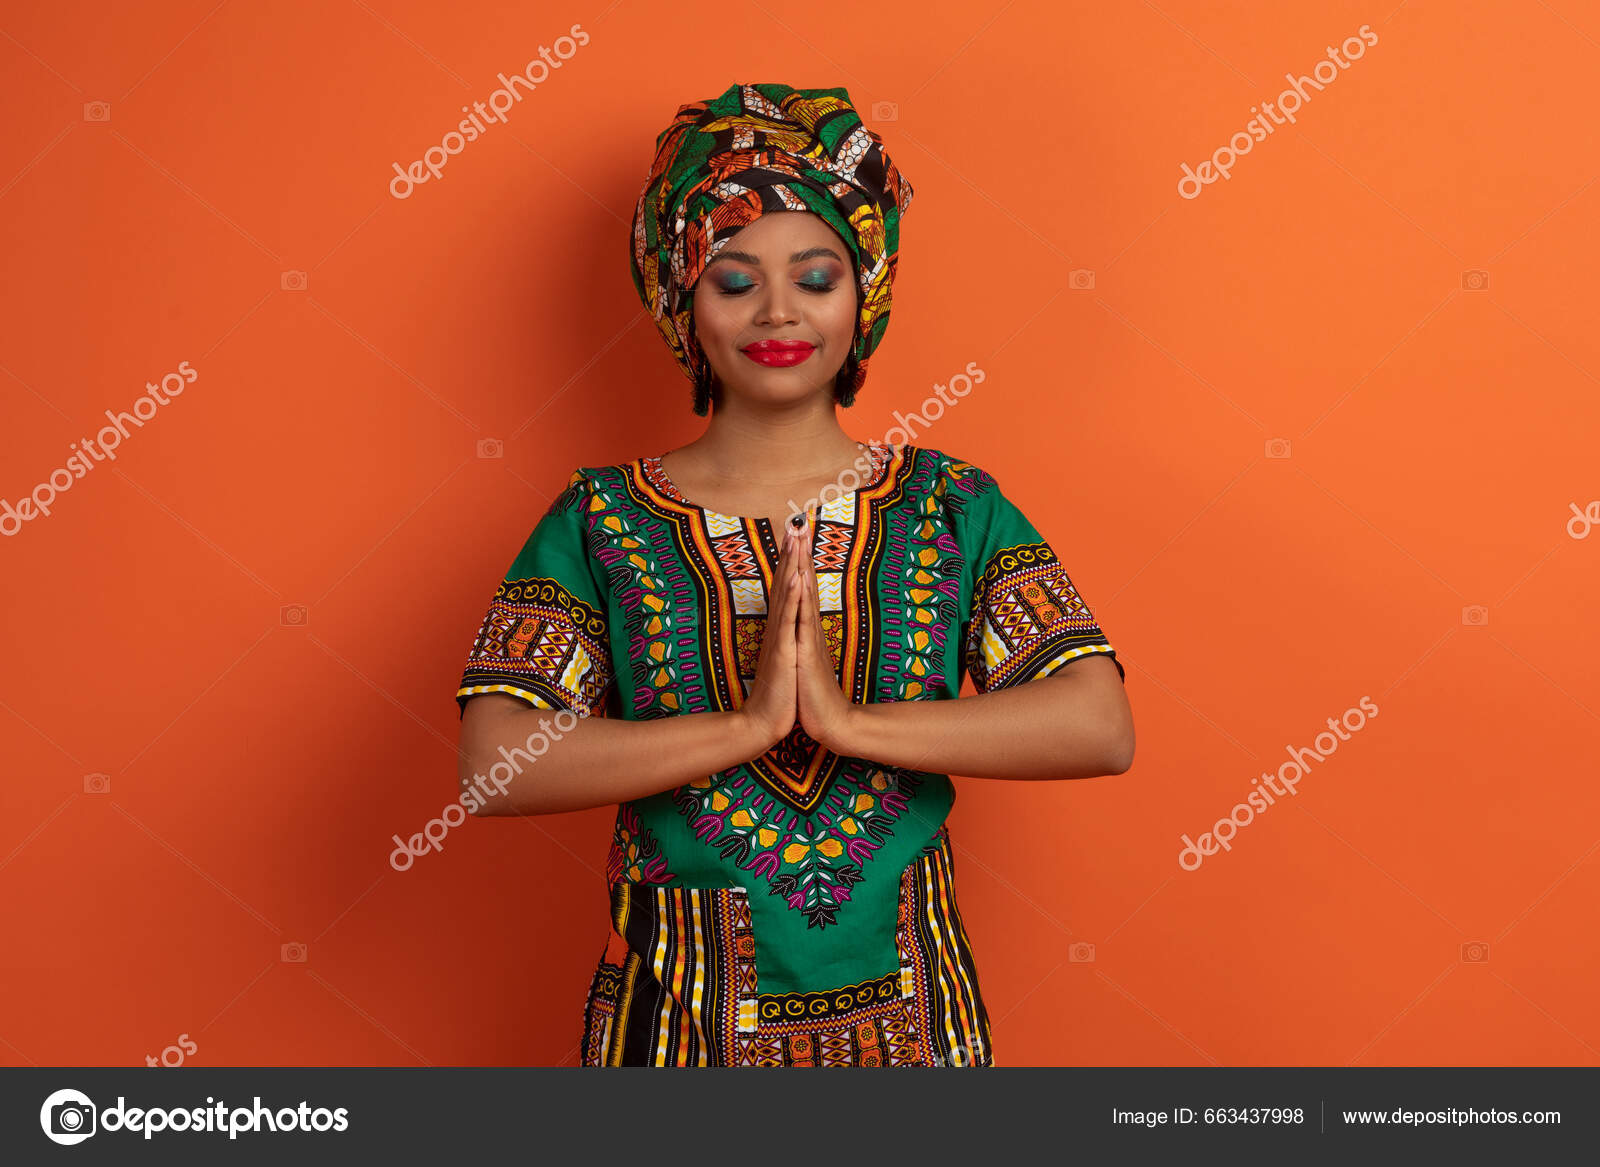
<point x="820" y="289"/>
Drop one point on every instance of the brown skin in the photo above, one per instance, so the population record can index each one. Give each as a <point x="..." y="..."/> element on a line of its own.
<point x="774" y="435"/>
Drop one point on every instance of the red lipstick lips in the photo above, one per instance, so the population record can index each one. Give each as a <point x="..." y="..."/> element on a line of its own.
<point x="779" y="354"/>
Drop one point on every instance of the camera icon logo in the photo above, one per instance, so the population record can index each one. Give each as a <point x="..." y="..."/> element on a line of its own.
<point x="68" y="1117"/>
<point x="491" y="448"/>
<point x="1475" y="279"/>
<point x="1474" y="952"/>
<point x="97" y="783"/>
<point x="885" y="111"/>
<point x="293" y="281"/>
<point x="292" y="615"/>
<point x="1475" y="615"/>
<point x="1277" y="447"/>
<point x="1081" y="953"/>
<point x="96" y="111"/>
<point x="293" y="953"/>
<point x="1080" y="279"/>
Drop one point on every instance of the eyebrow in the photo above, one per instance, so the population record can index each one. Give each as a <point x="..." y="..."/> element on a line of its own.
<point x="797" y="257"/>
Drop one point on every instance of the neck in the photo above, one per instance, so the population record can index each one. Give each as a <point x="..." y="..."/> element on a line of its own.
<point x="777" y="444"/>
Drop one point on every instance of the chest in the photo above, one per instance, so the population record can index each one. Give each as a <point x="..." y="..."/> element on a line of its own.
<point x="690" y="591"/>
<point x="774" y="505"/>
<point x="774" y="502"/>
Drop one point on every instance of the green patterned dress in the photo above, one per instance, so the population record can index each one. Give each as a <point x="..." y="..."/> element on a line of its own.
<point x="798" y="909"/>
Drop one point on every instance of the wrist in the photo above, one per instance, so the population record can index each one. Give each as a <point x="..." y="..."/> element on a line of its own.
<point x="755" y="735"/>
<point x="846" y="734"/>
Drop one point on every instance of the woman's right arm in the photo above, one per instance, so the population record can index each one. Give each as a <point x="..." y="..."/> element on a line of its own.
<point x="602" y="761"/>
<point x="599" y="760"/>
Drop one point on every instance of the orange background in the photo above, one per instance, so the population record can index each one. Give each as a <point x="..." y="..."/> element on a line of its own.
<point x="327" y="456"/>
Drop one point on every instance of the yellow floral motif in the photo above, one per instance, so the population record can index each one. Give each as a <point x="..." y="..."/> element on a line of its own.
<point x="795" y="852"/>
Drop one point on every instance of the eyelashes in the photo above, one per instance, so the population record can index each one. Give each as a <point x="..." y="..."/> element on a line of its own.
<point x="821" y="287"/>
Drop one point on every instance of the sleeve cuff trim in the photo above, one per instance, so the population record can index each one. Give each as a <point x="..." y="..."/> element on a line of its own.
<point x="538" y="698"/>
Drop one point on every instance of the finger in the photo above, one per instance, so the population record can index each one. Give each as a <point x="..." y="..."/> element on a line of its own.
<point x="803" y="546"/>
<point x="781" y="573"/>
<point x="785" y="646"/>
<point x="791" y="607"/>
<point x="785" y="570"/>
<point x="785" y="575"/>
<point x="808" y="620"/>
<point x="800" y="619"/>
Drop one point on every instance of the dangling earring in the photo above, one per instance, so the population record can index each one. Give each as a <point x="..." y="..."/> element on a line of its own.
<point x="844" y="384"/>
<point x="702" y="390"/>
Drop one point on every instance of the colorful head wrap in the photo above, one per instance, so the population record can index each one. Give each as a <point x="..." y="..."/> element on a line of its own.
<point x="723" y="163"/>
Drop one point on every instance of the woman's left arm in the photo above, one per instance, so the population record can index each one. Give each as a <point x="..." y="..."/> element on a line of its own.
<point x="1074" y="723"/>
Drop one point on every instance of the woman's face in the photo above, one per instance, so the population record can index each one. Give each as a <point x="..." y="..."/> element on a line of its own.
<point x="786" y="277"/>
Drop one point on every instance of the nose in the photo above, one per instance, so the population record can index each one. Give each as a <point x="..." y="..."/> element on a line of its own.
<point x="779" y="303"/>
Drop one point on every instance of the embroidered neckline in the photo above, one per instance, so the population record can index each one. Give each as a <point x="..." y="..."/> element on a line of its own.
<point x="656" y="474"/>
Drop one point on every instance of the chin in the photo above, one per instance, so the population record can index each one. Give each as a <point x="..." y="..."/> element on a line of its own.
<point x="776" y="392"/>
<point x="775" y="386"/>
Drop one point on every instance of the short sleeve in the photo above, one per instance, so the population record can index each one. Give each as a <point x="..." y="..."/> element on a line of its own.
<point x="1027" y="619"/>
<point x="545" y="636"/>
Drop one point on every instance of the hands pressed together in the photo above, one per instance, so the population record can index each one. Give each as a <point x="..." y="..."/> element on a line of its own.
<point x="795" y="681"/>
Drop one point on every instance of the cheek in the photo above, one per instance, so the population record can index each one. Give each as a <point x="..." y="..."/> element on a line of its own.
<point x="841" y="322"/>
<point x="712" y="320"/>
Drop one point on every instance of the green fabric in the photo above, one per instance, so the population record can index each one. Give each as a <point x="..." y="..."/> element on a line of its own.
<point x="631" y="601"/>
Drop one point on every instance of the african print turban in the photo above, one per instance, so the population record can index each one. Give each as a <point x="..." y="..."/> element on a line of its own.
<point x="723" y="163"/>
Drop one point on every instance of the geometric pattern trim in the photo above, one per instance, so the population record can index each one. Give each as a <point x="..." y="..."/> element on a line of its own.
<point x="1028" y="619"/>
<point x="541" y="643"/>
<point x="676" y="986"/>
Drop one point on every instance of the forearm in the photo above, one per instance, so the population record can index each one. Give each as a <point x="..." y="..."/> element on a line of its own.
<point x="1060" y="726"/>
<point x="597" y="762"/>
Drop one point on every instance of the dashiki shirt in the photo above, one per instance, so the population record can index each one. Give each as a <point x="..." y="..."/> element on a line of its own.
<point x="798" y="909"/>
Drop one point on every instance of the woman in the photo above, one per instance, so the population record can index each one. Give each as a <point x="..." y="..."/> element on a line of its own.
<point x="778" y="692"/>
